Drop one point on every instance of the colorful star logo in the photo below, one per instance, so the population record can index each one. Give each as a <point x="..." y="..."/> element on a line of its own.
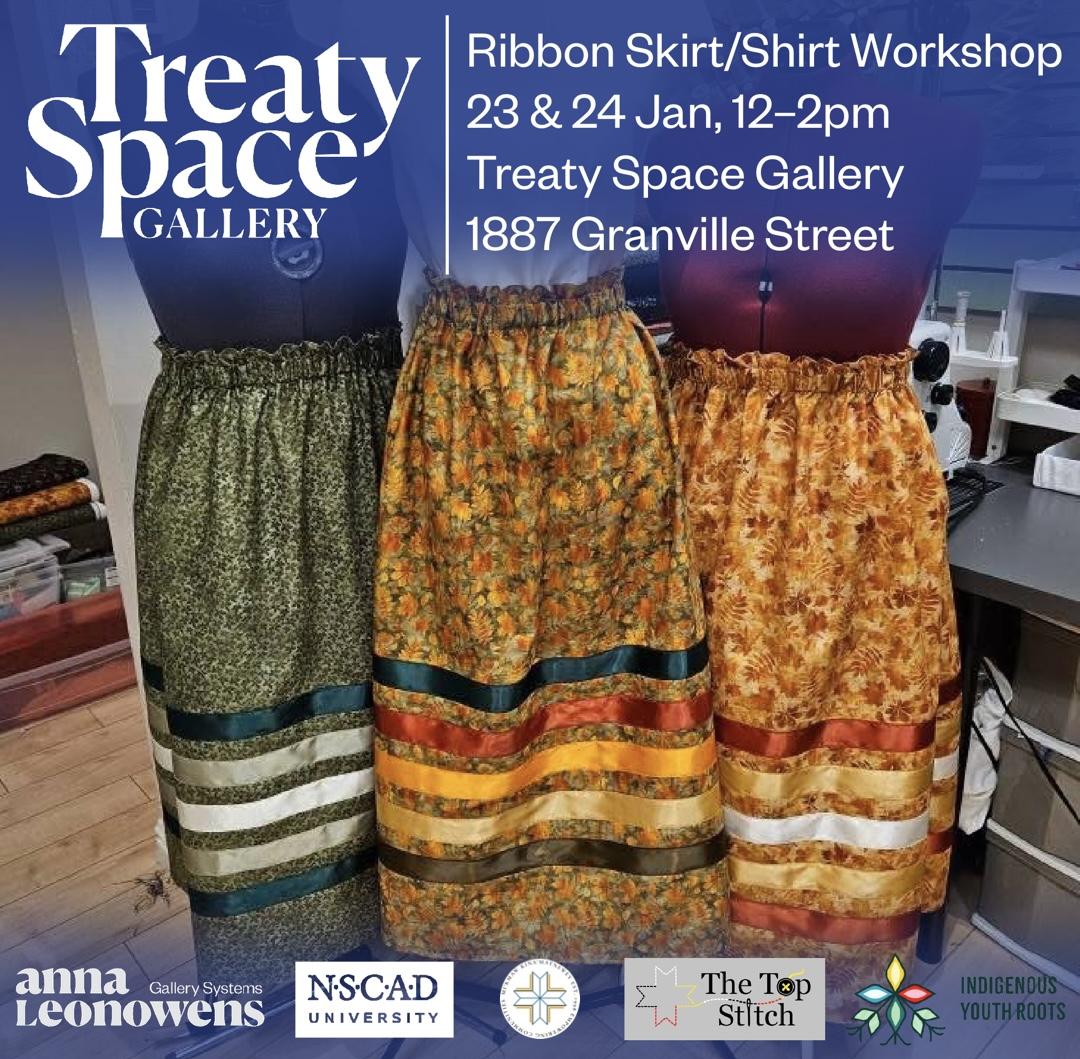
<point x="666" y="996"/>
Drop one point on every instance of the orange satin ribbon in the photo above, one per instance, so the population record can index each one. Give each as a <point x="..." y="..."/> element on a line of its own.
<point x="836" y="733"/>
<point x="598" y="756"/>
<point x="632" y="710"/>
<point x="820" y="926"/>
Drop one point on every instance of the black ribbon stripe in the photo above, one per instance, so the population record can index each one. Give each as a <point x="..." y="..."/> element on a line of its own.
<point x="153" y="675"/>
<point x="243" y="724"/>
<point x="563" y="852"/>
<point x="502" y="698"/>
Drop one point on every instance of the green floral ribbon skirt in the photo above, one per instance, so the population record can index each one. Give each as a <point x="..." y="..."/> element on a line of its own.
<point x="255" y="521"/>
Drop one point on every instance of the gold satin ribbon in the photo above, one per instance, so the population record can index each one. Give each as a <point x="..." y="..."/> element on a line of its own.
<point x="627" y="809"/>
<point x="851" y="882"/>
<point x="599" y="756"/>
<point x="874" y="784"/>
<point x="943" y="804"/>
<point x="946" y="731"/>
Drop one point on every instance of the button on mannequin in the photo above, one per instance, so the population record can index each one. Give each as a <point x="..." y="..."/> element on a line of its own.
<point x="263" y="292"/>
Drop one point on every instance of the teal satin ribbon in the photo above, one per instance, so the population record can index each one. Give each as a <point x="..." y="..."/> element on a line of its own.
<point x="648" y="662"/>
<point x="220" y="727"/>
<point x="262" y="895"/>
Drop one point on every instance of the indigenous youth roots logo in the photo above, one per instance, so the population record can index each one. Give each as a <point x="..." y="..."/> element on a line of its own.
<point x="896" y="1006"/>
<point x="539" y="998"/>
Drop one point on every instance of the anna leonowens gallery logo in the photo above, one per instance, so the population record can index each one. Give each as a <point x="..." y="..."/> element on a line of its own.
<point x="897" y="1006"/>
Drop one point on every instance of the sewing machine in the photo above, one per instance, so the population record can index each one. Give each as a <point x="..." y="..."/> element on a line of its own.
<point x="930" y="379"/>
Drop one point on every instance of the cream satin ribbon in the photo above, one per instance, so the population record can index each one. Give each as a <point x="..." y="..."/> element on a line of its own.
<point x="850" y="882"/>
<point x="280" y="851"/>
<point x="872" y="784"/>
<point x="561" y="805"/>
<point x="243" y="815"/>
<point x="237" y="771"/>
<point x="156" y="715"/>
<point x="596" y="756"/>
<point x="946" y="765"/>
<point x="828" y="827"/>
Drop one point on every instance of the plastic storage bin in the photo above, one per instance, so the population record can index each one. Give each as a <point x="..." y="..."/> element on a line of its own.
<point x="1033" y="902"/>
<point x="29" y="588"/>
<point x="1027" y="805"/>
<point x="65" y="683"/>
<point x="88" y="577"/>
<point x="1047" y="682"/>
<point x="1058" y="467"/>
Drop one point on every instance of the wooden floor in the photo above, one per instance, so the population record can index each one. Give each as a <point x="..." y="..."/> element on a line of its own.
<point x="80" y="885"/>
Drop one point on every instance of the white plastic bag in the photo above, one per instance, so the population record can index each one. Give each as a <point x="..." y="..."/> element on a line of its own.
<point x="980" y="776"/>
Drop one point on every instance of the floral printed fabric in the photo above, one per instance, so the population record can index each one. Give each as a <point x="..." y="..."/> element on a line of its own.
<point x="818" y="523"/>
<point x="255" y="514"/>
<point x="46" y="470"/>
<point x="545" y="761"/>
<point x="56" y="498"/>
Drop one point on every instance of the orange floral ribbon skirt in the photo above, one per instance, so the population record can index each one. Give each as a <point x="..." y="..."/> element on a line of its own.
<point x="546" y="768"/>
<point x="818" y="518"/>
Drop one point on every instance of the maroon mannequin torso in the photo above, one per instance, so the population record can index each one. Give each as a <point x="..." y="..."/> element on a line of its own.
<point x="837" y="304"/>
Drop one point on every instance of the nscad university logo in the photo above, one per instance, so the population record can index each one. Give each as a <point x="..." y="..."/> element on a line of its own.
<point x="539" y="998"/>
<point x="406" y="998"/>
<point x="896" y="1006"/>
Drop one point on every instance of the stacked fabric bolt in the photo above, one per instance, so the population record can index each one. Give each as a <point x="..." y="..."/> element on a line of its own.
<point x="46" y="494"/>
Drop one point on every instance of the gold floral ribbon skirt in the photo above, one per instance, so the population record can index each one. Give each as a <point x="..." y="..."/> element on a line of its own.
<point x="546" y="774"/>
<point x="818" y="523"/>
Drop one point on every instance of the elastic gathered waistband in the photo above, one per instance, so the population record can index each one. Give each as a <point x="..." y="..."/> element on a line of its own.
<point x="497" y="308"/>
<point x="779" y="373"/>
<point x="290" y="362"/>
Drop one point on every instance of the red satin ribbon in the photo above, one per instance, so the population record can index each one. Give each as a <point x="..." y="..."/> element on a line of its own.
<point x="939" y="841"/>
<point x="631" y="710"/>
<point x="950" y="689"/>
<point x="838" y="732"/>
<point x="802" y="922"/>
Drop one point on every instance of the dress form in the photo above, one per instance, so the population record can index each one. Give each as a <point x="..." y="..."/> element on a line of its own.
<point x="213" y="293"/>
<point x="824" y="303"/>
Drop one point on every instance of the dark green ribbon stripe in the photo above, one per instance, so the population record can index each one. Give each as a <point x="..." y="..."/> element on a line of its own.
<point x="501" y="698"/>
<point x="564" y="852"/>
<point x="262" y="895"/>
<point x="226" y="726"/>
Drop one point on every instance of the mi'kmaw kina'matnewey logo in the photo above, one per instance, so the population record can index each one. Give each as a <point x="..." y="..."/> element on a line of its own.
<point x="895" y="1006"/>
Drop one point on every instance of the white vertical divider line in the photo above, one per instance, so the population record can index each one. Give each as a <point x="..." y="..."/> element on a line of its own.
<point x="446" y="146"/>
